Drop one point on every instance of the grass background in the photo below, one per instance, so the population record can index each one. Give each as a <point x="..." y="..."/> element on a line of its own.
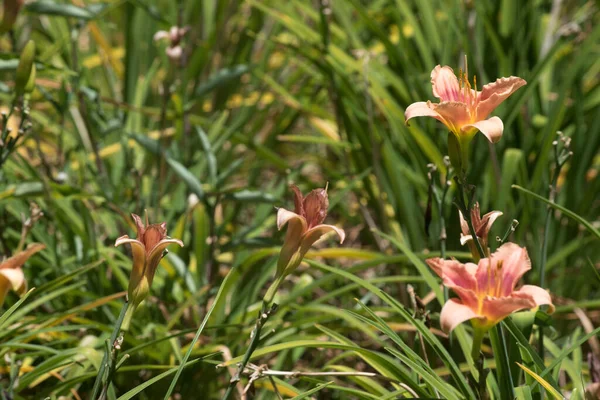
<point x="272" y="93"/>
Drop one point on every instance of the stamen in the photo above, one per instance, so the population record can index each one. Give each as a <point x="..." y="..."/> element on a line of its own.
<point x="498" y="273"/>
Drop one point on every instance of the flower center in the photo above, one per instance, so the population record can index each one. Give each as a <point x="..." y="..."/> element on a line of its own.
<point x="493" y="283"/>
<point x="467" y="94"/>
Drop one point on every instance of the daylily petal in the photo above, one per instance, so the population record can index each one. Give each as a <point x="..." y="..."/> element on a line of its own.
<point x="139" y="258"/>
<point x="156" y="255"/>
<point x="495" y="309"/>
<point x="454" y="115"/>
<point x="141" y="228"/>
<point x="285" y="216"/>
<point x="454" y="273"/>
<point x="314" y="234"/>
<point x="445" y="83"/>
<point x="291" y="244"/>
<point x="19" y="259"/>
<point x="464" y="226"/>
<point x="515" y="263"/>
<point x="475" y="216"/>
<point x="421" y="109"/>
<point x="492" y="128"/>
<point x="458" y="277"/>
<point x="495" y="93"/>
<point x="454" y="313"/>
<point x="154" y="234"/>
<point x="500" y="273"/>
<point x="539" y="295"/>
<point x="486" y="222"/>
<point x="14" y="277"/>
<point x="464" y="239"/>
<point x="4" y="289"/>
<point x="298" y="201"/>
<point x="315" y="207"/>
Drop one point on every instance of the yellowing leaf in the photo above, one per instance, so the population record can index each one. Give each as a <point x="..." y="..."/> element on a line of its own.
<point x="542" y="382"/>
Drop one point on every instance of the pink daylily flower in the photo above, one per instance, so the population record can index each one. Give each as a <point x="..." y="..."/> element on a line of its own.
<point x="11" y="274"/>
<point x="304" y="227"/>
<point x="486" y="291"/>
<point x="462" y="109"/>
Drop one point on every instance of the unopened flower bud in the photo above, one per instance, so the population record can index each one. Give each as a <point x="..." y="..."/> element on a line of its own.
<point x="25" y="69"/>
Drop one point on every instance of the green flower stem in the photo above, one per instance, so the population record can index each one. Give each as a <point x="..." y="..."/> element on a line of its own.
<point x="505" y="381"/>
<point x="266" y="310"/>
<point x="478" y="334"/>
<point x="112" y="354"/>
<point x="268" y="299"/>
<point x="479" y="359"/>
<point x="465" y="209"/>
<point x="560" y="157"/>
<point x="128" y="316"/>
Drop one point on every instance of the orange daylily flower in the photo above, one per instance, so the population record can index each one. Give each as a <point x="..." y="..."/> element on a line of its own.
<point x="147" y="251"/>
<point x="462" y="109"/>
<point x="486" y="291"/>
<point x="482" y="226"/>
<point x="11" y="274"/>
<point x="304" y="227"/>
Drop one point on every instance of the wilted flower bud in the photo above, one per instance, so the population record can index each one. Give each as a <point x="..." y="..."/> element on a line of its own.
<point x="10" y="11"/>
<point x="315" y="207"/>
<point x="482" y="227"/>
<point x="304" y="227"/>
<point x="147" y="251"/>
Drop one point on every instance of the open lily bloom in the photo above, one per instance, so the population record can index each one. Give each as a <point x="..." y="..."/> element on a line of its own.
<point x="147" y="251"/>
<point x="486" y="291"/>
<point x="11" y="274"/>
<point x="482" y="226"/>
<point x="462" y="109"/>
<point x="304" y="227"/>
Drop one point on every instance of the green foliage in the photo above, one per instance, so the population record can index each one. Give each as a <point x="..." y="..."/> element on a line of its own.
<point x="268" y="93"/>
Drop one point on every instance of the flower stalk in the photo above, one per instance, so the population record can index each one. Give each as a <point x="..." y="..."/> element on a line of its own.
<point x="465" y="209"/>
<point x="560" y="158"/>
<point x="263" y="317"/>
<point x="478" y="335"/>
<point x="304" y="228"/>
<point x="108" y="365"/>
<point x="148" y="249"/>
